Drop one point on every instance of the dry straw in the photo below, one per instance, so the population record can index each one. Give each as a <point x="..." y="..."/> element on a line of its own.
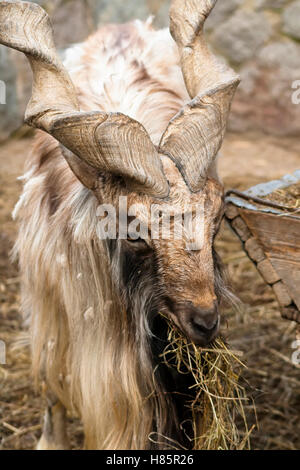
<point x="218" y="397"/>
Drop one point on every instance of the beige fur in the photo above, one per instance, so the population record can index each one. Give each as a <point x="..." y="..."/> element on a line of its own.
<point x="81" y="344"/>
<point x="90" y="363"/>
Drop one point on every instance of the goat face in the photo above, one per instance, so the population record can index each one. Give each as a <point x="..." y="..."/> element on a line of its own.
<point x="172" y="273"/>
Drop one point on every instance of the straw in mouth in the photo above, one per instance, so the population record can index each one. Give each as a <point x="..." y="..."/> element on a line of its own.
<point x="218" y="397"/>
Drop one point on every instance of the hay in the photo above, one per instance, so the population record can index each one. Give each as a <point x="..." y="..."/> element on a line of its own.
<point x="288" y="197"/>
<point x="218" y="396"/>
<point x="272" y="383"/>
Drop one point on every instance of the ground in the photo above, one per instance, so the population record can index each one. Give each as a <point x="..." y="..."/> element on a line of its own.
<point x="256" y="328"/>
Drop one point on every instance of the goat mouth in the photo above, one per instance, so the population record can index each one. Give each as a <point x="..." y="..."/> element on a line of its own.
<point x="192" y="332"/>
<point x="201" y="336"/>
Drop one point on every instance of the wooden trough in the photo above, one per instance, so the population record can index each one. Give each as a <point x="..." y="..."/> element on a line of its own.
<point x="270" y="234"/>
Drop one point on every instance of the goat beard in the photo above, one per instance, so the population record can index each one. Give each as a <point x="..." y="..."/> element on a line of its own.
<point x="128" y="397"/>
<point x="167" y="384"/>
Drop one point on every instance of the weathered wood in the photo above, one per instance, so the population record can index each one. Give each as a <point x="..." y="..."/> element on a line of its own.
<point x="241" y="228"/>
<point x="289" y="271"/>
<point x="254" y="250"/>
<point x="268" y="272"/>
<point x="279" y="236"/>
<point x="291" y="313"/>
<point x="274" y="243"/>
<point x="282" y="295"/>
<point x="231" y="211"/>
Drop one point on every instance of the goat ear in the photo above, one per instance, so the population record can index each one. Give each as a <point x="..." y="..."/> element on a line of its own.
<point x="86" y="174"/>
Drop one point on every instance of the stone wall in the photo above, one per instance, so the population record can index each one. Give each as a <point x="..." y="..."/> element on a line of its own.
<point x="10" y="116"/>
<point x="259" y="38"/>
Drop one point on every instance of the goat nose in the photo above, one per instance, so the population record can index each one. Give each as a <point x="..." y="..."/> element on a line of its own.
<point x="205" y="320"/>
<point x="204" y="324"/>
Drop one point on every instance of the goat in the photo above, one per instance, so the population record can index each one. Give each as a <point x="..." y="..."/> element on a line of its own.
<point x="94" y="304"/>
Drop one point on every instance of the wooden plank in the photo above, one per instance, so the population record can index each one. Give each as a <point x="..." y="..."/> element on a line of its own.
<point x="278" y="236"/>
<point x="268" y="272"/>
<point x="289" y="272"/>
<point x="231" y="211"/>
<point x="278" y="239"/>
<point x="291" y="313"/>
<point x="241" y="228"/>
<point x="282" y="295"/>
<point x="254" y="250"/>
<point x="274" y="245"/>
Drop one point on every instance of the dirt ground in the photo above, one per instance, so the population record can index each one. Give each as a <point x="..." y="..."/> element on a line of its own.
<point x="271" y="379"/>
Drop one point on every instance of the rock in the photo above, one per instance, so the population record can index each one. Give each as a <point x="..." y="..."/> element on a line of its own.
<point x="272" y="4"/>
<point x="291" y="20"/>
<point x="161" y="16"/>
<point x="23" y="80"/>
<point x="81" y="25"/>
<point x="240" y="37"/>
<point x="107" y="11"/>
<point x="222" y="12"/>
<point x="265" y="101"/>
<point x="72" y="20"/>
<point x="10" y="118"/>
<point x="283" y="54"/>
<point x="249" y="74"/>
